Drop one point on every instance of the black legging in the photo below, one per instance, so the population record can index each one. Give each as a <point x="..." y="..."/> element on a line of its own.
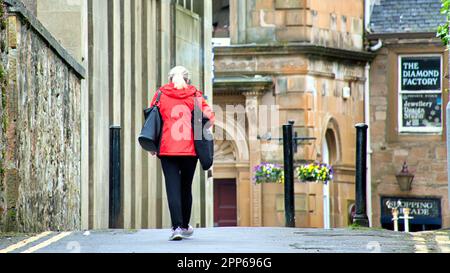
<point x="179" y="172"/>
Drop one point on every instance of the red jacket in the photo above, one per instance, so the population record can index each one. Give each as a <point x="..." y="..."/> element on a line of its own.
<point x="176" y="108"/>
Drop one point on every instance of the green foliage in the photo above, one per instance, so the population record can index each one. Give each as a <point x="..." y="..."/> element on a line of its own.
<point x="2" y="73"/>
<point x="2" y="9"/>
<point x="443" y="30"/>
<point x="354" y="226"/>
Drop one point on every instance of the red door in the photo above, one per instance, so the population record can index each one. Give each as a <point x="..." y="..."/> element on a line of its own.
<point x="225" y="204"/>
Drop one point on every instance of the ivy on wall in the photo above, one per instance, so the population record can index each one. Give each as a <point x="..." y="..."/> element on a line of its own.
<point x="443" y="30"/>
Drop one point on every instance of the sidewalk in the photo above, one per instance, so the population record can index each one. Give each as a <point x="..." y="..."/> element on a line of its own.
<point x="236" y="240"/>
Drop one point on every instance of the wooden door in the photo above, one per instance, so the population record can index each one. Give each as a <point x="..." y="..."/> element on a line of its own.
<point x="225" y="203"/>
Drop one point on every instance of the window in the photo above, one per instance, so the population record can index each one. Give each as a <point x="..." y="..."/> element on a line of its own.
<point x="195" y="6"/>
<point x="187" y="4"/>
<point x="221" y="18"/>
<point x="420" y="93"/>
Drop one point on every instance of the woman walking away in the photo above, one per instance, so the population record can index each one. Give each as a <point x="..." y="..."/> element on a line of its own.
<point x="176" y="150"/>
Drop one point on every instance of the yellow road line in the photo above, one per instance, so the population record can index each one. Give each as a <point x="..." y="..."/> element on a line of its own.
<point x="47" y="242"/>
<point x="25" y="242"/>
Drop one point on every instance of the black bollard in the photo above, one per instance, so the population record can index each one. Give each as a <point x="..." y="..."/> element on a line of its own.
<point x="361" y="218"/>
<point x="114" y="177"/>
<point x="289" y="174"/>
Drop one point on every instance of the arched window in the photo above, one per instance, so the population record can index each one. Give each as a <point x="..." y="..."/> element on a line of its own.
<point x="330" y="139"/>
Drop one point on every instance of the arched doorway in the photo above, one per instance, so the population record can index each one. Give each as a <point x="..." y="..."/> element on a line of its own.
<point x="329" y="157"/>
<point x="231" y="176"/>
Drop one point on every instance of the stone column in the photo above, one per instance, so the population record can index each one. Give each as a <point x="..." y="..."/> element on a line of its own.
<point x="251" y="103"/>
<point x="84" y="105"/>
<point x="244" y="182"/>
<point x="165" y="32"/>
<point x="238" y="15"/>
<point x="127" y="117"/>
<point x="151" y="53"/>
<point x="99" y="114"/>
<point x="137" y="116"/>
<point x="208" y="192"/>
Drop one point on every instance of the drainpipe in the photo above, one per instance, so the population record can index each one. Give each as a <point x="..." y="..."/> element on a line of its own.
<point x="448" y="147"/>
<point x="377" y="46"/>
<point x="368" y="11"/>
<point x="369" y="143"/>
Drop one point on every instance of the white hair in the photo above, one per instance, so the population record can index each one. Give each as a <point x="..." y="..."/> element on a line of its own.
<point x="180" y="77"/>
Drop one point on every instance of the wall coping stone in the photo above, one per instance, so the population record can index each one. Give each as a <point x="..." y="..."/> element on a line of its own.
<point x="17" y="7"/>
<point x="242" y="84"/>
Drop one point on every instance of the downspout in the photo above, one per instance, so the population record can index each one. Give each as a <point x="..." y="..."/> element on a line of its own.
<point x="369" y="138"/>
<point x="448" y="146"/>
<point x="367" y="14"/>
<point x="369" y="143"/>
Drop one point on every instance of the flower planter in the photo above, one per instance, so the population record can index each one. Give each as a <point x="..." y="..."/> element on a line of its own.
<point x="268" y="173"/>
<point x="315" y="173"/>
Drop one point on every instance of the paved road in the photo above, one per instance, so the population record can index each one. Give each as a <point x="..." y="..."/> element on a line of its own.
<point x="231" y="240"/>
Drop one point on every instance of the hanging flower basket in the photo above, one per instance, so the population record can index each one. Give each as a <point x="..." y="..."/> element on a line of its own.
<point x="315" y="172"/>
<point x="268" y="173"/>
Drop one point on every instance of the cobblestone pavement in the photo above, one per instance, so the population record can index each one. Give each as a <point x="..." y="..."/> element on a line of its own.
<point x="232" y="240"/>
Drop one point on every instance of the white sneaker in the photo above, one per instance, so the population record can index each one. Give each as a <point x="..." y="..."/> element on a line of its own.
<point x="176" y="235"/>
<point x="187" y="232"/>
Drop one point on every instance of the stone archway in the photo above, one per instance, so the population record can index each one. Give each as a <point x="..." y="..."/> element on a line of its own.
<point x="331" y="134"/>
<point x="231" y="161"/>
<point x="233" y="136"/>
<point x="332" y="143"/>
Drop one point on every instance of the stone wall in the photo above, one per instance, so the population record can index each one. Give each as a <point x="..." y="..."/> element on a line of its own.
<point x="40" y="178"/>
<point x="331" y="23"/>
<point x="425" y="154"/>
<point x="3" y="79"/>
<point x="31" y="5"/>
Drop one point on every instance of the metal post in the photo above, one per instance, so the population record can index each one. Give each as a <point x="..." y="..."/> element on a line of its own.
<point x="406" y="218"/>
<point x="395" y="219"/>
<point x="289" y="174"/>
<point x="361" y="175"/>
<point x="114" y="177"/>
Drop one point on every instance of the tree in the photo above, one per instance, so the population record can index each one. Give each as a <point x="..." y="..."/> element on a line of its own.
<point x="443" y="30"/>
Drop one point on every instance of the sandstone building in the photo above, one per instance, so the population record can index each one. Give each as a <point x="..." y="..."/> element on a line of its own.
<point x="407" y="112"/>
<point x="307" y="58"/>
